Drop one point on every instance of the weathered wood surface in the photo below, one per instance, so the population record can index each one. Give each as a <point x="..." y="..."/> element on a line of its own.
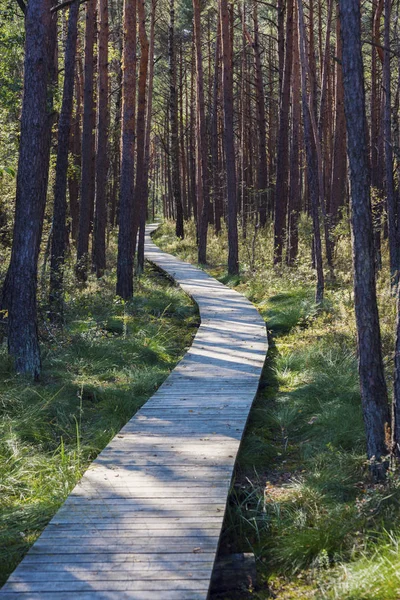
<point x="144" y="522"/>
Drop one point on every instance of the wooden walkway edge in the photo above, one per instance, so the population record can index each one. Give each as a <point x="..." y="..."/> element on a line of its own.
<point x="145" y="520"/>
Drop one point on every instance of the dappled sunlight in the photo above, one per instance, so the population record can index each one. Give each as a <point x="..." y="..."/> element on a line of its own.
<point x="147" y="515"/>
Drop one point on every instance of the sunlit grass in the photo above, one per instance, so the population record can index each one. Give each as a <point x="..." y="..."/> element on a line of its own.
<point x="108" y="360"/>
<point x="302" y="499"/>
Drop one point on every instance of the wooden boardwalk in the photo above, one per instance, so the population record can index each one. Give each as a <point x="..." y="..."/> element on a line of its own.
<point x="145" y="520"/>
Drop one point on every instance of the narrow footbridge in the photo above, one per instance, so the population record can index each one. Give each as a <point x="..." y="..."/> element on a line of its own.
<point x="144" y="522"/>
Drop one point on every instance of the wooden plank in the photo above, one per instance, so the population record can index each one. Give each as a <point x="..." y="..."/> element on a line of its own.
<point x="78" y="587"/>
<point x="145" y="520"/>
<point x="93" y="515"/>
<point x="109" y="595"/>
<point x="141" y="568"/>
<point x="157" y="524"/>
<point x="58" y="562"/>
<point x="145" y="546"/>
<point x="96" y="574"/>
<point x="140" y="503"/>
<point x="113" y="535"/>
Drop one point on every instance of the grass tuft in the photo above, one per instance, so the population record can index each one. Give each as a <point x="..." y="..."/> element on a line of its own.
<point x="97" y="372"/>
<point x="302" y="500"/>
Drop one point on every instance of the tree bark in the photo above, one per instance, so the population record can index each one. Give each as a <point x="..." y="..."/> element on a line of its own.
<point x="201" y="139"/>
<point x="103" y="117"/>
<point x="312" y="163"/>
<point x="140" y="197"/>
<point x="227" y="49"/>
<point x="87" y="178"/>
<point x="149" y="99"/>
<point x="295" y="187"/>
<point x="372" y="380"/>
<point x="174" y="137"/>
<point x="59" y="232"/>
<point x="282" y="173"/>
<point x="377" y="162"/>
<point x="32" y="180"/>
<point x="392" y="208"/>
<point x="339" y="162"/>
<point x="262" y="169"/>
<point x="125" y="235"/>
<point x="75" y="147"/>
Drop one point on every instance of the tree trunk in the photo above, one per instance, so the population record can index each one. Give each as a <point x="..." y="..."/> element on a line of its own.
<point x="59" y="232"/>
<point x="372" y="380"/>
<point x="295" y="187"/>
<point x="87" y="188"/>
<point x="282" y="173"/>
<point x="185" y="202"/>
<point x="201" y="139"/>
<point x="103" y="116"/>
<point x="324" y="135"/>
<point x="75" y="147"/>
<point x="312" y="163"/>
<point x="262" y="169"/>
<point x="339" y="162"/>
<point x="125" y="235"/>
<point x="244" y="124"/>
<point x="149" y="99"/>
<point x="174" y="137"/>
<point x="377" y="166"/>
<point x="227" y="86"/>
<point x="115" y="129"/>
<point x="392" y="209"/>
<point x="140" y="197"/>
<point x="32" y="180"/>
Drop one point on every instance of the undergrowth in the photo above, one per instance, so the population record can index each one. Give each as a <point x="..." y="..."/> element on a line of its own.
<point x="302" y="499"/>
<point x="106" y="362"/>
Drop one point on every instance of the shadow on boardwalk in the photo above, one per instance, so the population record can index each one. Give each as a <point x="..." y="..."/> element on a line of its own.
<point x="147" y="516"/>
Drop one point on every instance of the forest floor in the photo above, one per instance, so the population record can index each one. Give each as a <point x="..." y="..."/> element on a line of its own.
<point x="97" y="372"/>
<point x="302" y="500"/>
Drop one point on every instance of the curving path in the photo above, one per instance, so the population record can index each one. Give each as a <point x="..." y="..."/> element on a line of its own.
<point x="145" y="520"/>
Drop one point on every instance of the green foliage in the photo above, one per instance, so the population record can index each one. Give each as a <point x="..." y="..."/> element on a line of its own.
<point x="11" y="69"/>
<point x="12" y="37"/>
<point x="11" y="62"/>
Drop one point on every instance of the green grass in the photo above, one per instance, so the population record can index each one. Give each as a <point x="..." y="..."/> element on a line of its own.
<point x="374" y="576"/>
<point x="302" y="499"/>
<point x="97" y="372"/>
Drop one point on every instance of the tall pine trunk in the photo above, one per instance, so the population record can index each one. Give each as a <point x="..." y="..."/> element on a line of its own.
<point x="262" y="167"/>
<point x="392" y="208"/>
<point x="295" y="186"/>
<point x="216" y="186"/>
<point x="173" y="115"/>
<point x="140" y="197"/>
<point x="103" y="117"/>
<point x="227" y="86"/>
<point x="339" y="162"/>
<point x="312" y="162"/>
<point x="125" y="234"/>
<point x="59" y="231"/>
<point x="377" y="161"/>
<point x="372" y="381"/>
<point x="32" y="180"/>
<point x="150" y="89"/>
<point x="201" y="139"/>
<point x="282" y="172"/>
<point x="87" y="177"/>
